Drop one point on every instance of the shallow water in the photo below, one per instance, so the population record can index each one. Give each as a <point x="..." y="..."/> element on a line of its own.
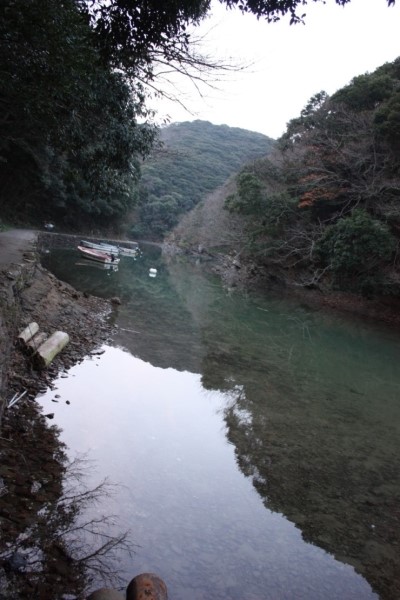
<point x="256" y="441"/>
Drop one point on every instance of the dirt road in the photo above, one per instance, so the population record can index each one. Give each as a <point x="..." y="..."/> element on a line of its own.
<point x="14" y="243"/>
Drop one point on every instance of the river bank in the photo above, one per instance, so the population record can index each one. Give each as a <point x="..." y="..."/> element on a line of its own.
<point x="213" y="234"/>
<point x="33" y="563"/>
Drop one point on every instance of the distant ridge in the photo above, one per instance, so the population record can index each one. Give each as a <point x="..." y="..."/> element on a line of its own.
<point x="196" y="157"/>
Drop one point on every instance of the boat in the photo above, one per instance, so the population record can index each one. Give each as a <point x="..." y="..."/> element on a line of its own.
<point x="128" y="251"/>
<point x="102" y="246"/>
<point x="99" y="256"/>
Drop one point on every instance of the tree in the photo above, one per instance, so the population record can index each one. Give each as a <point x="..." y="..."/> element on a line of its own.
<point x="249" y="197"/>
<point x="71" y="142"/>
<point x="136" y="35"/>
<point x="353" y="249"/>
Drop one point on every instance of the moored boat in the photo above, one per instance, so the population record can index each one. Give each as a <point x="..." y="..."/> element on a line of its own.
<point x="117" y="250"/>
<point x="128" y="251"/>
<point x="104" y="257"/>
<point x="101" y="246"/>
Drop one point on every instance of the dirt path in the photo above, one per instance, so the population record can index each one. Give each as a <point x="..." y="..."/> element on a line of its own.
<point x="14" y="243"/>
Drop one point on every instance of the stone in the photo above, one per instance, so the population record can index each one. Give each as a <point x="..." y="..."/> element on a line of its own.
<point x="146" y="586"/>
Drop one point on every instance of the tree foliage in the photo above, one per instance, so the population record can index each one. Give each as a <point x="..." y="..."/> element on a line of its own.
<point x="338" y="166"/>
<point x="71" y="143"/>
<point x="355" y="247"/>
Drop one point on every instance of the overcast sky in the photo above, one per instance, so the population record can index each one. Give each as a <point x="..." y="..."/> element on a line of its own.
<point x="288" y="63"/>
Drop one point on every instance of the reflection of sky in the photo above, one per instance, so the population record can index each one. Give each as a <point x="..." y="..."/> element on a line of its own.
<point x="197" y="520"/>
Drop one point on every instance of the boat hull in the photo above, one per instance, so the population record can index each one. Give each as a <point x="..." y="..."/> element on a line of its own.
<point x="99" y="256"/>
<point x="100" y="247"/>
<point x="104" y="247"/>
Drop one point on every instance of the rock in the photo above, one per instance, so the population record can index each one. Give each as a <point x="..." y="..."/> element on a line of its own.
<point x="16" y="562"/>
<point x="115" y="300"/>
<point x="146" y="586"/>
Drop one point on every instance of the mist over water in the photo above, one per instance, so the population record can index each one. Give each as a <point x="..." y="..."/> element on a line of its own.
<point x="255" y="441"/>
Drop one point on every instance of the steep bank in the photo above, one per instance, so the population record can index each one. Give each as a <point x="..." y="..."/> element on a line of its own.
<point x="29" y="293"/>
<point x="34" y="561"/>
<point x="212" y="233"/>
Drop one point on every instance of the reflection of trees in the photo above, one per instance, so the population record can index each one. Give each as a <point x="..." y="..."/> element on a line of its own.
<point x="312" y="460"/>
<point x="49" y="546"/>
<point x="305" y="419"/>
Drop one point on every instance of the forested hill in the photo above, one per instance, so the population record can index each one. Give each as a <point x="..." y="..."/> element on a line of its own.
<point x="195" y="158"/>
<point x="323" y="209"/>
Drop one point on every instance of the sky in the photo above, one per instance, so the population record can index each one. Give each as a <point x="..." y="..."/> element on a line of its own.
<point x="284" y="64"/>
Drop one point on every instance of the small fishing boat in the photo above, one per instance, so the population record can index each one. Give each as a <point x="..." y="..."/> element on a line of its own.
<point x="128" y="251"/>
<point x="117" y="250"/>
<point x="102" y="246"/>
<point x="107" y="258"/>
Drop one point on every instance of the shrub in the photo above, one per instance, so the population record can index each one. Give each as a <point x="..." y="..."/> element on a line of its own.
<point x="354" y="248"/>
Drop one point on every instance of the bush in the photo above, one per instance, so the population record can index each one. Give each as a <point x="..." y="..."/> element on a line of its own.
<point x="249" y="196"/>
<point x="354" y="248"/>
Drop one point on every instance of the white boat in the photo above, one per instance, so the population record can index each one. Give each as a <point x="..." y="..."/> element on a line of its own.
<point x="128" y="251"/>
<point x="103" y="257"/>
<point x="102" y="246"/>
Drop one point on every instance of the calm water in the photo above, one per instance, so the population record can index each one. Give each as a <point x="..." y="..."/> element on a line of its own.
<point x="256" y="442"/>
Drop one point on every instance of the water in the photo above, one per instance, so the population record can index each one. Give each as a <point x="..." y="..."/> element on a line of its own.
<point x="256" y="441"/>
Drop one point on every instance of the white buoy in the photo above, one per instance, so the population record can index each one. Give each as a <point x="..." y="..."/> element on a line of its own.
<point x="152" y="270"/>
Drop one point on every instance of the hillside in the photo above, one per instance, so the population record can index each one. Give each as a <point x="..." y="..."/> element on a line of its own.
<point x="322" y="210"/>
<point x="194" y="159"/>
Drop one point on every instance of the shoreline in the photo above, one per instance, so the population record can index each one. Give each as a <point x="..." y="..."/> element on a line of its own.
<point x="33" y="462"/>
<point x="248" y="276"/>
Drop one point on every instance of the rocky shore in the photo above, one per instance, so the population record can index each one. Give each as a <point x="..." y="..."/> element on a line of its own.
<point x="244" y="274"/>
<point x="34" y="563"/>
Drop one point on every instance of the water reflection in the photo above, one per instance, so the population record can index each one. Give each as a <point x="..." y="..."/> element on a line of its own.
<point x="309" y="407"/>
<point x="96" y="265"/>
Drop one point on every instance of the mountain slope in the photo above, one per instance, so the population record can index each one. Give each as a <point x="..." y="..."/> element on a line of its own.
<point x="322" y="210"/>
<point x="195" y="158"/>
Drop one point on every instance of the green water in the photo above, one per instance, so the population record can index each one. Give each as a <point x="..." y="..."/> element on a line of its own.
<point x="257" y="441"/>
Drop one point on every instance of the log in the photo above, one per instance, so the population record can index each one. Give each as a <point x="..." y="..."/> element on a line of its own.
<point x="50" y="348"/>
<point x="36" y="341"/>
<point x="27" y="333"/>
